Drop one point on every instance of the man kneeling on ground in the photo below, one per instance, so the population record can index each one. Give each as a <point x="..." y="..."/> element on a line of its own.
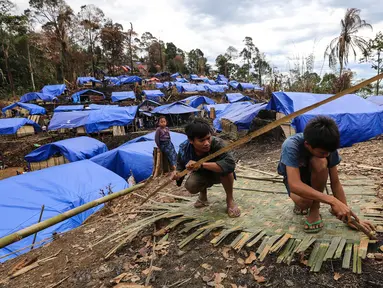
<point x="306" y="161"/>
<point x="201" y="143"/>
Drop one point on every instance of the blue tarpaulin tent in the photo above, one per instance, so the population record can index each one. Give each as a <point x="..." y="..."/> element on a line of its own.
<point x="55" y="90"/>
<point x="175" y="108"/>
<point x="153" y="94"/>
<point x="195" y="77"/>
<point x="135" y="155"/>
<point x="222" y="79"/>
<point x="234" y="84"/>
<point x="175" y="75"/>
<point x="123" y="95"/>
<point x="59" y="189"/>
<point x="241" y="114"/>
<point x="99" y="107"/>
<point x="216" y="88"/>
<point x="129" y="80"/>
<point x="195" y="101"/>
<point x="76" y="97"/>
<point x="37" y="96"/>
<point x="358" y="119"/>
<point x="181" y="80"/>
<point x="160" y="85"/>
<point x="236" y="97"/>
<point x="248" y="86"/>
<point x="84" y="80"/>
<point x="218" y="108"/>
<point x="376" y="99"/>
<point x="73" y="149"/>
<point x="66" y="108"/>
<point x="10" y="126"/>
<point x="68" y="120"/>
<point x="33" y="109"/>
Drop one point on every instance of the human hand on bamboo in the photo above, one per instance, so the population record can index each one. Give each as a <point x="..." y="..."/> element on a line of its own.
<point x="353" y="221"/>
<point x="193" y="165"/>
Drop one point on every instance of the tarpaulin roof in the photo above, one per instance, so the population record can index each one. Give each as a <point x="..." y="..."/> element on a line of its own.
<point x="37" y="95"/>
<point x="99" y="107"/>
<point x="182" y="80"/>
<point x="175" y="75"/>
<point x="218" y="108"/>
<point x="73" y="149"/>
<point x="135" y="155"/>
<point x="76" y="97"/>
<point x="241" y="114"/>
<point x="358" y="120"/>
<point x="111" y="79"/>
<point x="59" y="189"/>
<point x="236" y="97"/>
<point x="123" y="95"/>
<point x="195" y="77"/>
<point x="216" y="88"/>
<point x="160" y="85"/>
<point x="65" y="108"/>
<point x="376" y="99"/>
<point x="84" y="80"/>
<point x="10" y="126"/>
<point x="174" y="108"/>
<point x="234" y="84"/>
<point x="55" y="90"/>
<point x="153" y="94"/>
<point x="129" y="80"/>
<point x="68" y="120"/>
<point x="33" y="109"/>
<point x="195" y="101"/>
<point x="222" y="78"/>
<point x="248" y="86"/>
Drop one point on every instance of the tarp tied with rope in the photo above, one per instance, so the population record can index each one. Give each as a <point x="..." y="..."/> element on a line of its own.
<point x="358" y="120"/>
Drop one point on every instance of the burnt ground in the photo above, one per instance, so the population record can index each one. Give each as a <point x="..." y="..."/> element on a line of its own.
<point x="199" y="264"/>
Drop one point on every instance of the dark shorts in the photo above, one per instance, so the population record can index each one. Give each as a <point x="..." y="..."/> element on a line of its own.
<point x="201" y="180"/>
<point x="305" y="178"/>
<point x="167" y="148"/>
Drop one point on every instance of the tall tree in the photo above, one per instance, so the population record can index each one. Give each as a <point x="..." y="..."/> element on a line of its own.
<point x="261" y="66"/>
<point x="348" y="40"/>
<point x="131" y="47"/>
<point x="248" y="52"/>
<point x="197" y="62"/>
<point x="91" y="18"/>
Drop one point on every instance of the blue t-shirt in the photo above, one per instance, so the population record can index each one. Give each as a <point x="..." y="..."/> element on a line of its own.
<point x="294" y="154"/>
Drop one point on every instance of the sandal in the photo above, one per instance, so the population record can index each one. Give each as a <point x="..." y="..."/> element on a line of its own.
<point x="234" y="212"/>
<point x="316" y="223"/>
<point x="200" y="203"/>
<point x="298" y="211"/>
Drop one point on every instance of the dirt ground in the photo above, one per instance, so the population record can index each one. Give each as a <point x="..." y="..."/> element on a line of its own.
<point x="80" y="263"/>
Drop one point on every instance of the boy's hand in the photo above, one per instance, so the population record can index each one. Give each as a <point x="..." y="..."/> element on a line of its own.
<point x="193" y="166"/>
<point x="342" y="211"/>
<point x="366" y="224"/>
<point x="175" y="176"/>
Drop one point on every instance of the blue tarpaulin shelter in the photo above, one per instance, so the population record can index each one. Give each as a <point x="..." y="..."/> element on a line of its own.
<point x="195" y="77"/>
<point x="76" y="97"/>
<point x="181" y="80"/>
<point x="135" y="155"/>
<point x="234" y="84"/>
<point x="68" y="120"/>
<point x="186" y="87"/>
<point x="160" y="85"/>
<point x="59" y="189"/>
<point x="218" y="108"/>
<point x="66" y="108"/>
<point x="376" y="99"/>
<point x="73" y="149"/>
<point x="129" y="80"/>
<point x="175" y="108"/>
<point x="31" y="96"/>
<point x="99" y="107"/>
<point x="237" y="97"/>
<point x="123" y="95"/>
<point x="248" y="86"/>
<point x="33" y="109"/>
<point x="84" y="80"/>
<point x="175" y="75"/>
<point x="9" y="126"/>
<point x="111" y="79"/>
<point x="221" y="78"/>
<point x="241" y="114"/>
<point x="358" y="119"/>
<point x="195" y="101"/>
<point x="216" y="88"/>
<point x="55" y="90"/>
<point x="153" y="94"/>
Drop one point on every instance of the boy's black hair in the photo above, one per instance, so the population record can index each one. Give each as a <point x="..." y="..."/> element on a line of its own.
<point x="159" y="119"/>
<point x="198" y="128"/>
<point x="322" y="132"/>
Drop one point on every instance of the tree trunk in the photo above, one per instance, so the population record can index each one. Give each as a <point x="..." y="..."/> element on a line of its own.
<point x="92" y="54"/>
<point x="30" y="67"/>
<point x="259" y="72"/>
<point x="62" y="60"/>
<point x="9" y="73"/>
<point x="378" y="82"/>
<point x="130" y="48"/>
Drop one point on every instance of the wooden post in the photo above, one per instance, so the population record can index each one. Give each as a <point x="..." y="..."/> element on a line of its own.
<point x="41" y="215"/>
<point x="212" y="113"/>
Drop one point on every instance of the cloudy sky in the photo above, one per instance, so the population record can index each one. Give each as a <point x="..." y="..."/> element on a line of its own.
<point x="284" y="30"/>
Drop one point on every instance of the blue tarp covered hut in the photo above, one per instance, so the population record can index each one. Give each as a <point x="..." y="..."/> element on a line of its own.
<point x="76" y="97"/>
<point x="55" y="90"/>
<point x="196" y="101"/>
<point x="9" y="126"/>
<point x="237" y="97"/>
<point x="175" y="108"/>
<point x="33" y="109"/>
<point x="31" y="96"/>
<point x="154" y="95"/>
<point x="123" y="95"/>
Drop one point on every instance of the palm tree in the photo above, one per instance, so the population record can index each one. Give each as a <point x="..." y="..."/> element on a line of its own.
<point x="339" y="47"/>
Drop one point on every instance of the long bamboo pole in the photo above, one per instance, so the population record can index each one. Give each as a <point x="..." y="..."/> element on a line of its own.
<point x="9" y="239"/>
<point x="269" y="127"/>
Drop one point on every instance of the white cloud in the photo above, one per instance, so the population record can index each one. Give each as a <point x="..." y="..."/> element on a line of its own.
<point x="281" y="29"/>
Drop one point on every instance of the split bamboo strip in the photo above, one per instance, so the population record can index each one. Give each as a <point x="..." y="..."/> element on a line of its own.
<point x="340" y="248"/>
<point x="347" y="256"/>
<point x="285" y="250"/>
<point x="14" y="237"/>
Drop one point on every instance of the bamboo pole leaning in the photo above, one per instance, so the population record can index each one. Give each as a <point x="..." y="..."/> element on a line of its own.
<point x="23" y="233"/>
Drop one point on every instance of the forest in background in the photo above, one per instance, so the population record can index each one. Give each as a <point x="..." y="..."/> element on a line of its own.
<point x="50" y="43"/>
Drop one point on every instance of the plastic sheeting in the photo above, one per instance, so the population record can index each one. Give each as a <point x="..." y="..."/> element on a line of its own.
<point x="59" y="189"/>
<point x="153" y="94"/>
<point x="175" y="75"/>
<point x="358" y="120"/>
<point x="221" y="78"/>
<point x="10" y="126"/>
<point x="195" y="77"/>
<point x="37" y="96"/>
<point x="175" y="108"/>
<point x="99" y="107"/>
<point x="55" y="90"/>
<point x="241" y="114"/>
<point x="33" y="109"/>
<point x="160" y="85"/>
<point x="216" y="88"/>
<point x="234" y="84"/>
<point x="236" y="97"/>
<point x="66" y="108"/>
<point x="218" y="108"/>
<point x="68" y="120"/>
<point x="84" y="80"/>
<point x="135" y="155"/>
<point x="196" y="101"/>
<point x="182" y="80"/>
<point x="76" y="97"/>
<point x="110" y="79"/>
<point x="376" y="99"/>
<point x="123" y="95"/>
<point x="248" y="86"/>
<point x="73" y="149"/>
<point x="129" y="80"/>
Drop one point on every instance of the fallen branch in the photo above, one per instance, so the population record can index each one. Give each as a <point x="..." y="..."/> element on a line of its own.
<point x="151" y="262"/>
<point x="58" y="283"/>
